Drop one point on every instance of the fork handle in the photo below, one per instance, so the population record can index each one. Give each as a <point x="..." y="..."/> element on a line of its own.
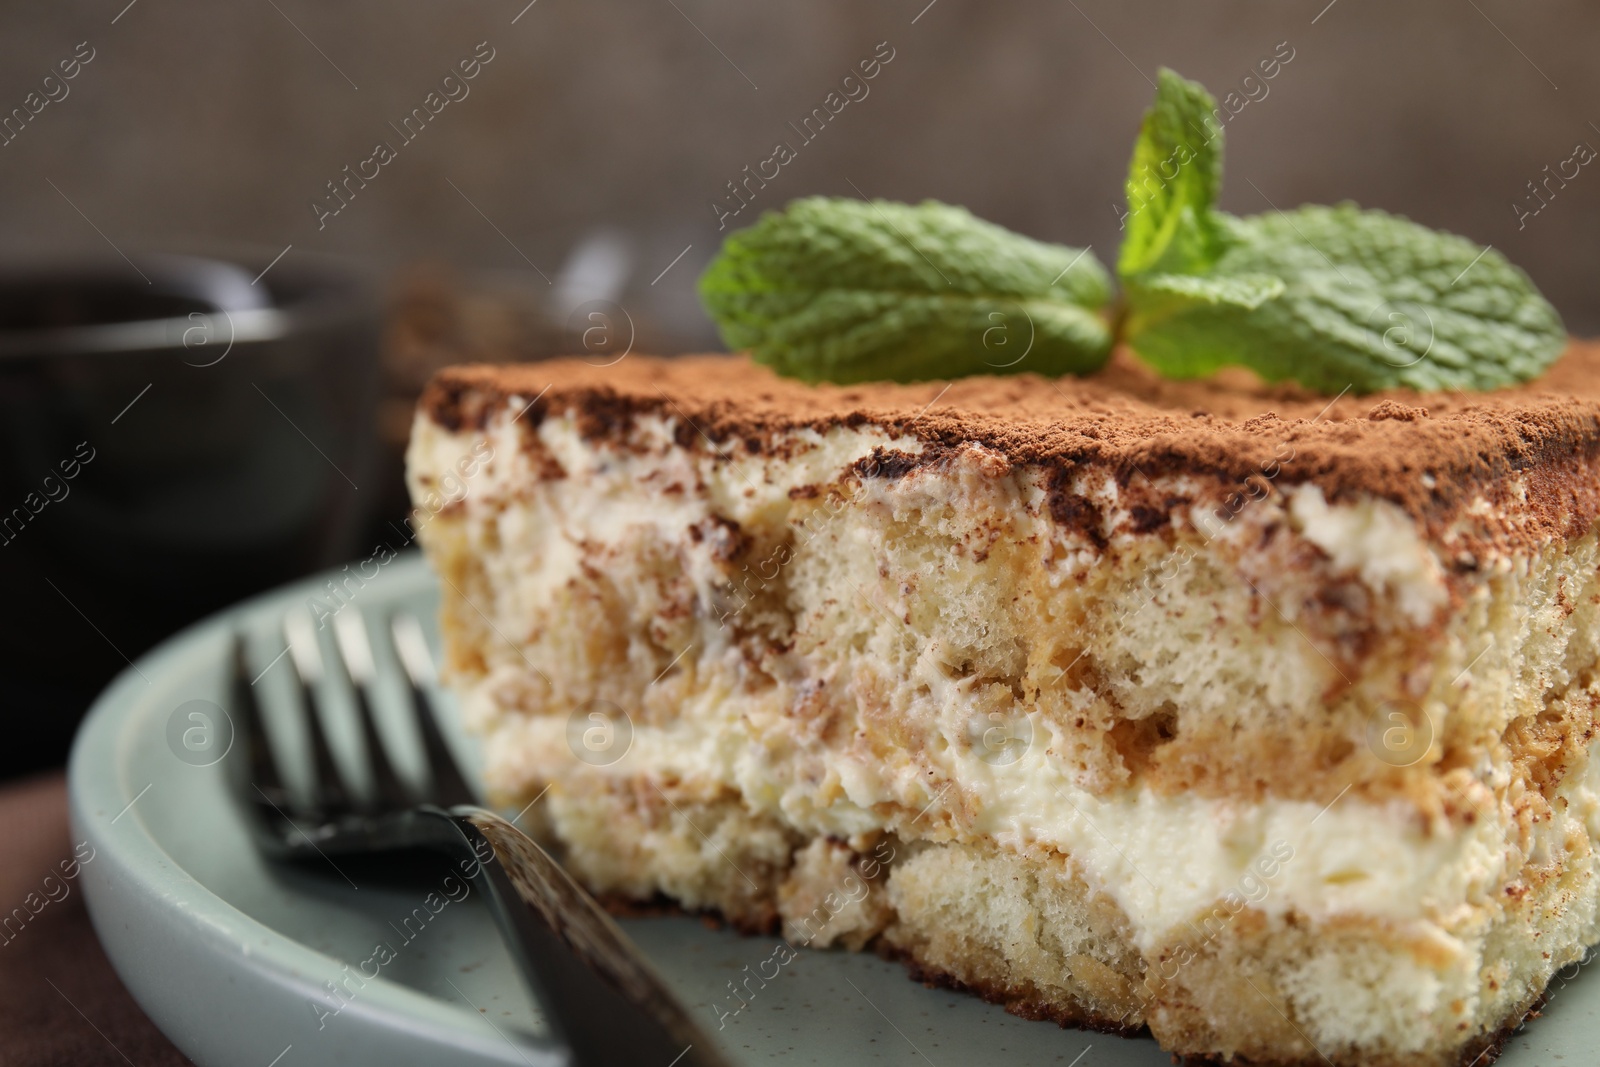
<point x="600" y="997"/>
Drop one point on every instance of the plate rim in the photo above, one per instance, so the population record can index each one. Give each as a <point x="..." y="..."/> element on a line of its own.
<point x="136" y="892"/>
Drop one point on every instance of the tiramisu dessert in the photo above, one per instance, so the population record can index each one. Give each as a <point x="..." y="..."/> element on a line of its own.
<point x="1255" y="715"/>
<point x="1256" y="719"/>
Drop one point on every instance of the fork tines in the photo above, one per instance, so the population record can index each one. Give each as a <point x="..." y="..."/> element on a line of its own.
<point x="332" y="794"/>
<point x="411" y="646"/>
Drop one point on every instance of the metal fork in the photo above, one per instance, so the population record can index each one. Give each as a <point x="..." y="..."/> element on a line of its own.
<point x="604" y="1002"/>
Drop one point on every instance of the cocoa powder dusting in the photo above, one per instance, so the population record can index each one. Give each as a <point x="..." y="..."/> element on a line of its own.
<point x="1430" y="454"/>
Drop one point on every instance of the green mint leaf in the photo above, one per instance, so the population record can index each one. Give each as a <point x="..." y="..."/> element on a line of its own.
<point x="1368" y="301"/>
<point x="846" y="291"/>
<point x="1173" y="180"/>
<point x="1162" y="295"/>
<point x="1334" y="298"/>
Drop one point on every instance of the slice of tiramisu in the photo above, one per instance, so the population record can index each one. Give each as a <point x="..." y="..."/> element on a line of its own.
<point x="1256" y="718"/>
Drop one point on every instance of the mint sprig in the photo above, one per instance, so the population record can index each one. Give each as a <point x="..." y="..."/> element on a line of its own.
<point x="849" y="291"/>
<point x="1333" y="297"/>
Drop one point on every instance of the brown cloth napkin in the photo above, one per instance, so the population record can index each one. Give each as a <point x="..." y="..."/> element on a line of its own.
<point x="61" y="1004"/>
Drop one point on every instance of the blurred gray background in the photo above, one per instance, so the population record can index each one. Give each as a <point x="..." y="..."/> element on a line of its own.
<point x="198" y="125"/>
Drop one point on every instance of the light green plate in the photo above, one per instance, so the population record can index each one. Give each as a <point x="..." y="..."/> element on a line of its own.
<point x="233" y="960"/>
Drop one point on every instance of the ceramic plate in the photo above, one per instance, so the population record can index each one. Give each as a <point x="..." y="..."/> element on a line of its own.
<point x="242" y="964"/>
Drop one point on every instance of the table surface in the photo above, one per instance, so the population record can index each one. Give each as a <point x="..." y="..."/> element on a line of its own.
<point x="61" y="1004"/>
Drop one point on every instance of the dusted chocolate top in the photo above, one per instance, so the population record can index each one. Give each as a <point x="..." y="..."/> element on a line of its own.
<point x="1431" y="454"/>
